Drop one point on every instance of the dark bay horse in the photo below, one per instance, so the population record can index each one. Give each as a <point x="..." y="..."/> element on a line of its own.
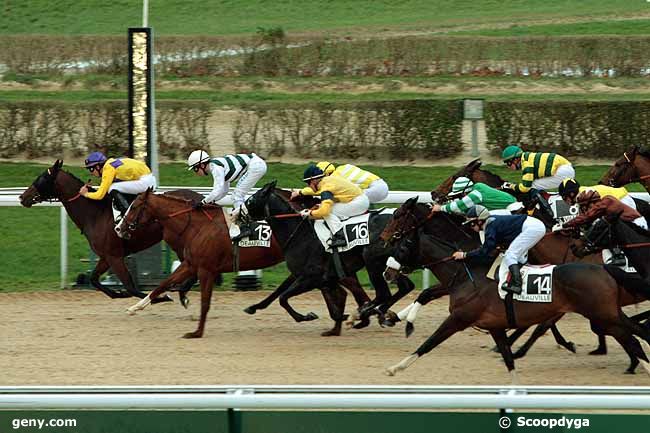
<point x="95" y="220"/>
<point x="474" y="302"/>
<point x="207" y="250"/>
<point x="554" y="248"/>
<point x="633" y="166"/>
<point x="311" y="264"/>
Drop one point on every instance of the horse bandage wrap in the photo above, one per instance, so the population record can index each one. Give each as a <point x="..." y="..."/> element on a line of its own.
<point x="537" y="284"/>
<point x="393" y="264"/>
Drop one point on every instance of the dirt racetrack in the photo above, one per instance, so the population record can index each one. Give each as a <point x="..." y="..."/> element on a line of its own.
<point x="84" y="338"/>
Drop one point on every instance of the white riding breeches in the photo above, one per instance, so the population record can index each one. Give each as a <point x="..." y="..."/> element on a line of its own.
<point x="553" y="182"/>
<point x="255" y="171"/>
<point x="343" y="211"/>
<point x="376" y="191"/>
<point x="532" y="231"/>
<point x="134" y="186"/>
<point x="641" y="222"/>
<point x="628" y="200"/>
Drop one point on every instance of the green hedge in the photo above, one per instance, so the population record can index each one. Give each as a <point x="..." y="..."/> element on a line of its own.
<point x="393" y="129"/>
<point x="284" y="55"/>
<point x="589" y="129"/>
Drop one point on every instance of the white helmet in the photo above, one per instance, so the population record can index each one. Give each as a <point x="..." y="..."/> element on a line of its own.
<point x="197" y="157"/>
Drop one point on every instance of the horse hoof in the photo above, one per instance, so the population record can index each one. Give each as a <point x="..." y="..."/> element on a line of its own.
<point x="362" y="324"/>
<point x="392" y="316"/>
<point x="331" y="333"/>
<point x="495" y="349"/>
<point x="409" y="329"/>
<point x="571" y="347"/>
<point x="628" y="371"/>
<point x="384" y="322"/>
<point x="195" y="334"/>
<point x="390" y="371"/>
<point x="310" y="316"/>
<point x="598" y="351"/>
<point x="165" y="298"/>
<point x="131" y="311"/>
<point x="250" y="310"/>
<point x="185" y="302"/>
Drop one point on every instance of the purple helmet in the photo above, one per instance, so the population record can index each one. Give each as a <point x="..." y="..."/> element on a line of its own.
<point x="95" y="158"/>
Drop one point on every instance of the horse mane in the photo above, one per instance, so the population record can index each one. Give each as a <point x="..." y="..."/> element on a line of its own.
<point x="640" y="231"/>
<point x="72" y="176"/>
<point x="644" y="151"/>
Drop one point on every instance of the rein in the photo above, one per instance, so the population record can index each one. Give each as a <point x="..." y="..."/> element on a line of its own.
<point x="636" y="245"/>
<point x="183" y="211"/>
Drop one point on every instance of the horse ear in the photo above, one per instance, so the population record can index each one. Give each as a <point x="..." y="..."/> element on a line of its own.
<point x="273" y="183"/>
<point x="57" y="164"/>
<point x="474" y="165"/>
<point x="411" y="202"/>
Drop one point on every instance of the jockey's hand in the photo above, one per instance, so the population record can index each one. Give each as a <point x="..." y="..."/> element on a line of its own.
<point x="436" y="208"/>
<point x="305" y="213"/>
<point x="198" y="205"/>
<point x="508" y="185"/>
<point x="459" y="255"/>
<point x="83" y="191"/>
<point x="294" y="195"/>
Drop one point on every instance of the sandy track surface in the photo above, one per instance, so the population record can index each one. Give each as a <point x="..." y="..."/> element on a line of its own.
<point x="83" y="338"/>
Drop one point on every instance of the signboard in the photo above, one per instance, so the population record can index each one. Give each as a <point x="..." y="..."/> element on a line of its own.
<point x="473" y="109"/>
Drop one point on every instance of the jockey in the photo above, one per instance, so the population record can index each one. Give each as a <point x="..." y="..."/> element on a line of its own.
<point x="246" y="169"/>
<point x="340" y="199"/>
<point x="119" y="176"/>
<point x="470" y="194"/>
<point x="570" y="188"/>
<point x="593" y="206"/>
<point x="539" y="172"/>
<point x="372" y="185"/>
<point x="519" y="232"/>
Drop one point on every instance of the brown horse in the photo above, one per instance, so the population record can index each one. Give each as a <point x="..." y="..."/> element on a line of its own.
<point x="577" y="287"/>
<point x="633" y="166"/>
<point x="472" y="171"/>
<point x="555" y="248"/>
<point x="208" y="252"/>
<point x="95" y="220"/>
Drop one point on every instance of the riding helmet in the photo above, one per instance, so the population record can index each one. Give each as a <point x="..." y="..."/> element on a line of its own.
<point x="312" y="172"/>
<point x="95" y="158"/>
<point x="460" y="185"/>
<point x="511" y="152"/>
<point x="197" y="157"/>
<point x="327" y="167"/>
<point x="568" y="186"/>
<point x="478" y="212"/>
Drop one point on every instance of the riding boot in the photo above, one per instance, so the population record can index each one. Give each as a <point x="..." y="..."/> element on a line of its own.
<point x="245" y="231"/>
<point x="618" y="257"/>
<point x="514" y="285"/>
<point x="536" y="195"/>
<point x="120" y="204"/>
<point x="338" y="239"/>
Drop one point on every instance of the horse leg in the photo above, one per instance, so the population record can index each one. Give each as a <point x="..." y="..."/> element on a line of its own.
<point x="180" y="275"/>
<point x="101" y="267"/>
<point x="641" y="316"/>
<point x="452" y="324"/>
<point x="360" y="297"/>
<point x="335" y="300"/>
<point x="299" y="286"/>
<point x="382" y="291"/>
<point x="602" y="344"/>
<point x="404" y="287"/>
<point x="541" y="330"/>
<point x="409" y="313"/>
<point x="206" y="279"/>
<point x="622" y="334"/>
<point x="272" y="297"/>
<point x="501" y="339"/>
<point x="184" y="288"/>
<point x="119" y="267"/>
<point x="559" y="339"/>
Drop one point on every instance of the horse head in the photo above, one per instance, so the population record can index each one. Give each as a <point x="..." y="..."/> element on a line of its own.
<point x="623" y="171"/>
<point x="137" y="215"/>
<point x="596" y="238"/>
<point x="265" y="202"/>
<point x="471" y="171"/>
<point x="43" y="188"/>
<point x="404" y="219"/>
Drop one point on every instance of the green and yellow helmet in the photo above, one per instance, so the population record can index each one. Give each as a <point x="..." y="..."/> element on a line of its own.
<point x="511" y="152"/>
<point x="568" y="186"/>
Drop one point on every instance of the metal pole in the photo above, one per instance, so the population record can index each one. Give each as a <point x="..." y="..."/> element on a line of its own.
<point x="475" y="152"/>
<point x="63" y="218"/>
<point x="426" y="278"/>
<point x="145" y="13"/>
<point x="153" y="150"/>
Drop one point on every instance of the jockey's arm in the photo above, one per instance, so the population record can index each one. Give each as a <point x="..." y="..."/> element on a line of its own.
<point x="219" y="184"/>
<point x="108" y="176"/>
<point x="325" y="206"/>
<point x="488" y="246"/>
<point x="526" y="183"/>
<point x="595" y="211"/>
<point x="307" y="191"/>
<point x="461" y="205"/>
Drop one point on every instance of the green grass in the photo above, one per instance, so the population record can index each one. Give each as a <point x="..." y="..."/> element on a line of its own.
<point x="30" y="248"/>
<point x="618" y="28"/>
<point x="239" y="17"/>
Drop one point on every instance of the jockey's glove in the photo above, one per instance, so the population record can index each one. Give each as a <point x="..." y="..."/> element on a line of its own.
<point x="198" y="205"/>
<point x="508" y="185"/>
<point x="305" y="213"/>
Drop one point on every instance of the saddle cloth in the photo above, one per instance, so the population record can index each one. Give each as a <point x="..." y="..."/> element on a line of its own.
<point x="537" y="284"/>
<point x="607" y="254"/>
<point x="355" y="229"/>
<point x="260" y="237"/>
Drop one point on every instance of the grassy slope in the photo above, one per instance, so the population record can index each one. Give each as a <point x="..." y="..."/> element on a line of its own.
<point x="30" y="250"/>
<point x="237" y="16"/>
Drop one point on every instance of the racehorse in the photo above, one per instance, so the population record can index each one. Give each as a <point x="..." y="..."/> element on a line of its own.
<point x="311" y="264"/>
<point x="554" y="248"/>
<point x="208" y="252"/>
<point x="633" y="166"/>
<point x="95" y="220"/>
<point x="576" y="287"/>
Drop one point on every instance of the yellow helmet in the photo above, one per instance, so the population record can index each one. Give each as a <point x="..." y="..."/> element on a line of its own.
<point x="327" y="167"/>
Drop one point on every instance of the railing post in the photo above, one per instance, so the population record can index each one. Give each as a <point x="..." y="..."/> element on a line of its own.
<point x="63" y="218"/>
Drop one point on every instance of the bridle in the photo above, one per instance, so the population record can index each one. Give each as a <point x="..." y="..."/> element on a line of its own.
<point x="50" y="196"/>
<point x="417" y="223"/>
<point x="623" y="167"/>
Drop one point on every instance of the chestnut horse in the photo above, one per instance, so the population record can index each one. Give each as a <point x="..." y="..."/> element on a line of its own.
<point x="583" y="288"/>
<point x="95" y="220"/>
<point x="633" y="166"/>
<point x="208" y="252"/>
